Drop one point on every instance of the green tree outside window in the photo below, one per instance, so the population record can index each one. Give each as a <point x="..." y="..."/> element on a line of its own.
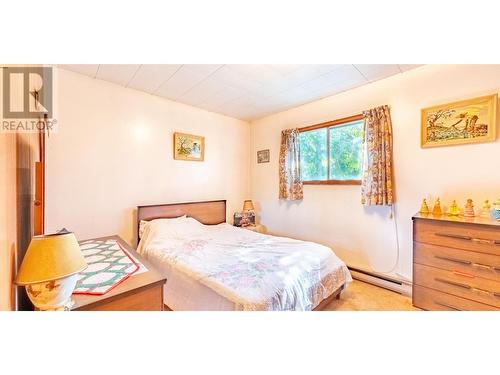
<point x="333" y="153"/>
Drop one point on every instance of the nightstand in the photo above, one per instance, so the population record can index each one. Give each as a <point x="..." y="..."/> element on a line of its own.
<point x="256" y="228"/>
<point x="141" y="292"/>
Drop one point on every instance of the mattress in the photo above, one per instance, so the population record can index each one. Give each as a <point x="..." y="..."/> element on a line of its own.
<point x="222" y="267"/>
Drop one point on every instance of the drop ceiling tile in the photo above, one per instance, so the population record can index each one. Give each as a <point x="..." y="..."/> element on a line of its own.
<point x="285" y="68"/>
<point x="406" y="67"/>
<point x="180" y="83"/>
<point x="324" y="84"/>
<point x="86" y="69"/>
<point x="149" y="77"/>
<point x="247" y="106"/>
<point x="205" y="69"/>
<point x="234" y="107"/>
<point x="345" y="73"/>
<point x="298" y="77"/>
<point x="243" y="91"/>
<point x="336" y="89"/>
<point x="272" y="89"/>
<point x="203" y="91"/>
<point x="374" y="72"/>
<point x="117" y="73"/>
<point x="226" y="95"/>
<point x="261" y="73"/>
<point x="233" y="78"/>
<point x="244" y="101"/>
<point x="210" y="107"/>
<point x="311" y="71"/>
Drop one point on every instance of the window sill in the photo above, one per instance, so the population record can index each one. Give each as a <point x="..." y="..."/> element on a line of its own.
<point x="333" y="182"/>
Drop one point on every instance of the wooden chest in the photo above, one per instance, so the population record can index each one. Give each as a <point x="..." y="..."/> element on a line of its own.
<point x="456" y="263"/>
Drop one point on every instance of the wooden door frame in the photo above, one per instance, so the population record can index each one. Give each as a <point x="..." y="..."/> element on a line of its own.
<point x="39" y="202"/>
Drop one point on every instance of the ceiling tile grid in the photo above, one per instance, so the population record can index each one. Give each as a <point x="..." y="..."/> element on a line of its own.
<point x="243" y="91"/>
<point x="149" y="78"/>
<point x="85" y="69"/>
<point x="119" y="74"/>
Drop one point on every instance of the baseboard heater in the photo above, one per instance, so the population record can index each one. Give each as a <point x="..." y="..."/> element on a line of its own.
<point x="383" y="281"/>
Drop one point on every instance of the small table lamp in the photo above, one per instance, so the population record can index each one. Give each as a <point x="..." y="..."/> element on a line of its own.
<point x="248" y="217"/>
<point x="248" y="205"/>
<point x="50" y="270"/>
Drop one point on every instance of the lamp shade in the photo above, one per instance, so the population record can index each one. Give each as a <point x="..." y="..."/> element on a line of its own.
<point x="248" y="205"/>
<point x="51" y="257"/>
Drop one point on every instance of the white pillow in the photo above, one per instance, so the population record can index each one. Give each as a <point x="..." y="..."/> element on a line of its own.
<point x="180" y="229"/>
<point x="143" y="224"/>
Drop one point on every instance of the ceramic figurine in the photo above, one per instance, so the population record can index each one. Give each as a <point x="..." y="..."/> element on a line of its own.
<point x="495" y="212"/>
<point x="469" y="209"/>
<point x="436" y="211"/>
<point x="424" y="209"/>
<point x="453" y="210"/>
<point x="486" y="210"/>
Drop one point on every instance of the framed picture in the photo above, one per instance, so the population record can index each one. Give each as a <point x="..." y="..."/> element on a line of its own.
<point x="263" y="156"/>
<point x="467" y="121"/>
<point x="244" y="219"/>
<point x="189" y="147"/>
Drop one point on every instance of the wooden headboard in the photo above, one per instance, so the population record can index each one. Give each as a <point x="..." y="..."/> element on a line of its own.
<point x="209" y="212"/>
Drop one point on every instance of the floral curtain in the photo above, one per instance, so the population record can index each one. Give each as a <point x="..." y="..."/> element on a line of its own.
<point x="290" y="180"/>
<point x="377" y="184"/>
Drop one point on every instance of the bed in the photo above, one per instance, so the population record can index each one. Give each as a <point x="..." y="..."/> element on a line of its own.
<point x="213" y="266"/>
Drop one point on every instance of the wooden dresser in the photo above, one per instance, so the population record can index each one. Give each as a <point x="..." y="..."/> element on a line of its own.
<point x="140" y="292"/>
<point x="456" y="263"/>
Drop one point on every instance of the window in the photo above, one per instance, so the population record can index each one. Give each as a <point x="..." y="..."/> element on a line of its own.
<point x="331" y="153"/>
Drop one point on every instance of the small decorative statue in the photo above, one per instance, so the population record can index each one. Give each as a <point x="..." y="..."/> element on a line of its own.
<point x="469" y="209"/>
<point x="486" y="210"/>
<point x="453" y="210"/>
<point x="436" y="211"/>
<point x="495" y="212"/>
<point x="424" y="209"/>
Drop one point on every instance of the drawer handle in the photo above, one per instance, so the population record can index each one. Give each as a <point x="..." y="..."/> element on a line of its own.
<point x="461" y="261"/>
<point x="485" y="266"/>
<point x="448" y="306"/>
<point x="456" y="236"/>
<point x="482" y="291"/>
<point x="454" y="283"/>
<point x="460" y="273"/>
<point x="467" y="262"/>
<point x="465" y="286"/>
<point x="484" y="241"/>
<point x="468" y="238"/>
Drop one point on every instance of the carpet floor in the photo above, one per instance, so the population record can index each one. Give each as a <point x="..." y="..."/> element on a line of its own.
<point x="361" y="296"/>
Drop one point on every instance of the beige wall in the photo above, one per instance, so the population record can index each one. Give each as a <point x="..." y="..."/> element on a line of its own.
<point x="7" y="219"/>
<point x="333" y="215"/>
<point x="113" y="152"/>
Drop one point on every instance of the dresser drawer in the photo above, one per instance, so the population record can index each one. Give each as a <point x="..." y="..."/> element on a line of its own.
<point x="469" y="262"/>
<point x="456" y="283"/>
<point x="433" y="300"/>
<point x="147" y="299"/>
<point x="474" y="237"/>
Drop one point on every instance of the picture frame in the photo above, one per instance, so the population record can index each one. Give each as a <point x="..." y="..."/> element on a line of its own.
<point x="189" y="147"/>
<point x="244" y="219"/>
<point x="462" y="122"/>
<point x="263" y="156"/>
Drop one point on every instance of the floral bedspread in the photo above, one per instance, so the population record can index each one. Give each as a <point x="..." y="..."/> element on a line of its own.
<point x="253" y="270"/>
